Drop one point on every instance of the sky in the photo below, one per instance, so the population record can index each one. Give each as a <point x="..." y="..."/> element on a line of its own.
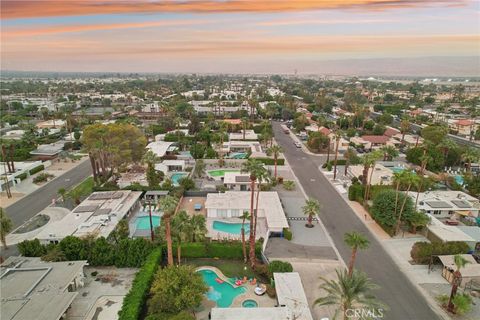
<point x="242" y="36"/>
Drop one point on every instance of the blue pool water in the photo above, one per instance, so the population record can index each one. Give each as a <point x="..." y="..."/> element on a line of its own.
<point x="232" y="228"/>
<point x="238" y="155"/>
<point x="397" y="169"/>
<point x="459" y="179"/>
<point x="143" y="223"/>
<point x="222" y="293"/>
<point x="177" y="176"/>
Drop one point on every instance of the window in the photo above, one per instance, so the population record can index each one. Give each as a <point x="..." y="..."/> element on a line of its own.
<point x="222" y="213"/>
<point x="235" y="212"/>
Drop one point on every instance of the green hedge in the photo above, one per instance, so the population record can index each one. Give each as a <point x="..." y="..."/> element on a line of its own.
<point x="287" y="234"/>
<point x="271" y="161"/>
<point x="355" y="192"/>
<point x="422" y="251"/>
<point x="22" y="176"/>
<point x="340" y="162"/>
<point x="135" y="299"/>
<point x="221" y="250"/>
<point x="37" y="169"/>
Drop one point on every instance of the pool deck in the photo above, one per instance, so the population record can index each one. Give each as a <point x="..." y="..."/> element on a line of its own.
<point x="262" y="301"/>
<point x="188" y="204"/>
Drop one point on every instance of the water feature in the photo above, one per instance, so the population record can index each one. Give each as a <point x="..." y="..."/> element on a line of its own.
<point x="222" y="292"/>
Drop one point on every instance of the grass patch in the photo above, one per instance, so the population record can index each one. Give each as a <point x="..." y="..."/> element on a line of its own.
<point x="230" y="268"/>
<point x="86" y="186"/>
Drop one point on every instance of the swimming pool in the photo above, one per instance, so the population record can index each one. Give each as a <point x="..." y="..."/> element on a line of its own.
<point x="232" y="228"/>
<point x="222" y="293"/>
<point x="143" y="222"/>
<point x="177" y="176"/>
<point x="459" y="179"/>
<point x="238" y="155"/>
<point x="220" y="172"/>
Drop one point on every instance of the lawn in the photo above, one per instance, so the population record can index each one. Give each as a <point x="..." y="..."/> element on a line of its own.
<point x="86" y="186"/>
<point x="230" y="268"/>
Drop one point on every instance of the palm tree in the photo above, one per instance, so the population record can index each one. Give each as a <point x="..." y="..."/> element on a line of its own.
<point x="275" y="151"/>
<point x="410" y="179"/>
<point x="404" y="128"/>
<point x="389" y="153"/>
<point x="245" y="215"/>
<point x="199" y="228"/>
<point x="424" y="159"/>
<point x="311" y="208"/>
<point x="337" y="142"/>
<point x="355" y="241"/>
<point x="349" y="156"/>
<point x="253" y="167"/>
<point x="470" y="155"/>
<point x="262" y="175"/>
<point x="149" y="158"/>
<point x="199" y="169"/>
<point x="62" y="192"/>
<point x="244" y="126"/>
<point x="446" y="145"/>
<point x="460" y="262"/>
<point x="181" y="231"/>
<point x="418" y="219"/>
<point x="6" y="226"/>
<point x="76" y="195"/>
<point x="168" y="205"/>
<point x="369" y="161"/>
<point x="349" y="292"/>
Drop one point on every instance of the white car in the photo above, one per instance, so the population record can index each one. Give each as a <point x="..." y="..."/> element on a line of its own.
<point x="298" y="144"/>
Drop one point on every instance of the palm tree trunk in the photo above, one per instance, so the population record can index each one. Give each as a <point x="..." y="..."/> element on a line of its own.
<point x="397" y="228"/>
<point x="244" y="248"/>
<point x="328" y="151"/>
<point x="252" y="217"/>
<point x="352" y="261"/>
<point x="310" y="218"/>
<point x="396" y="197"/>
<point x="336" y="158"/>
<point x="179" y="253"/>
<point x="256" y="211"/>
<point x="275" y="159"/>
<point x="455" y="284"/>
<point x="168" y="235"/>
<point x="4" y="240"/>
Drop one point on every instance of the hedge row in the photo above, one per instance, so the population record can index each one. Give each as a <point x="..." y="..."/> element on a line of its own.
<point x="22" y="176"/>
<point x="340" y="162"/>
<point x="135" y="299"/>
<point x="422" y="251"/>
<point x="221" y="250"/>
<point x="271" y="161"/>
<point x="37" y="169"/>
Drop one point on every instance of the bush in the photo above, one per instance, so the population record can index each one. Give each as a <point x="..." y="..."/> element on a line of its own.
<point x="135" y="299"/>
<point x="42" y="177"/>
<point x="287" y="234"/>
<point x="36" y="169"/>
<point x="383" y="209"/>
<point x="271" y="162"/>
<point x="22" y="176"/>
<point x="355" y="192"/>
<point x="422" y="251"/>
<point x="289" y="185"/>
<point x="279" y="266"/>
<point x="31" y="248"/>
<point x="329" y="166"/>
<point x="340" y="162"/>
<point x="221" y="250"/>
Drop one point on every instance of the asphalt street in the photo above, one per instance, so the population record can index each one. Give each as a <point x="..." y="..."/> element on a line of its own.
<point x="404" y="300"/>
<point x="33" y="203"/>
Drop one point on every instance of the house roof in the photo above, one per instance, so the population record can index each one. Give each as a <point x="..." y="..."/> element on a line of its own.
<point x="160" y="148"/>
<point x="376" y="139"/>
<point x="390" y="132"/>
<point x="325" y="131"/>
<point x="464" y="122"/>
<point x="471" y="269"/>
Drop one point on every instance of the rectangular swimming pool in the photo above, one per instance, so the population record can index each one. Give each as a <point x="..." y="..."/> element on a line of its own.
<point x="232" y="228"/>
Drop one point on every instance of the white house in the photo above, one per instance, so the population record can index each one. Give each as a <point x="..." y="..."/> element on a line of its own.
<point x="162" y="148"/>
<point x="170" y="166"/>
<point x="21" y="172"/>
<point x="237" y="181"/>
<point x="447" y="204"/>
<point x="249" y="135"/>
<point x="232" y="204"/>
<point x="243" y="146"/>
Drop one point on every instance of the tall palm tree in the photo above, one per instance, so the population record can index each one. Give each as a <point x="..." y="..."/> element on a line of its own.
<point x="349" y="292"/>
<point x="181" y="230"/>
<point x="398" y="180"/>
<point x="460" y="262"/>
<point x="253" y="167"/>
<point x="245" y="215"/>
<point x="6" y="226"/>
<point x="410" y="179"/>
<point x="262" y="175"/>
<point x="275" y="151"/>
<point x="404" y="128"/>
<point x="355" y="241"/>
<point x="369" y="160"/>
<point x="349" y="156"/>
<point x="311" y="208"/>
<point x="470" y="155"/>
<point x="337" y="142"/>
<point x="168" y="205"/>
<point x="389" y="153"/>
<point x="446" y="145"/>
<point x="199" y="228"/>
<point x="244" y="126"/>
<point x="199" y="169"/>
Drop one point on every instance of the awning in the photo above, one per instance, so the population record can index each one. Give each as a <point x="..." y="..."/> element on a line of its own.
<point x="464" y="213"/>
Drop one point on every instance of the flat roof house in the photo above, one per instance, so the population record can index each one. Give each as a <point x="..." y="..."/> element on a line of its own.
<point x="237" y="181"/>
<point x="48" y="151"/>
<point x="232" y="204"/>
<point x="249" y="135"/>
<point x="34" y="289"/>
<point x="446" y="204"/>
<point x="162" y="148"/>
<point x="97" y="215"/>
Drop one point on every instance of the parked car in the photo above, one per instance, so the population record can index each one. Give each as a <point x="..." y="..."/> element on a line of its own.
<point x="298" y="144"/>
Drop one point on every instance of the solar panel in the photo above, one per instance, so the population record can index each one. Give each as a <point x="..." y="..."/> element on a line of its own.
<point x="106" y="195"/>
<point x="102" y="212"/>
<point x="85" y="209"/>
<point x="242" y="178"/>
<point x="461" y="203"/>
<point x="438" y="204"/>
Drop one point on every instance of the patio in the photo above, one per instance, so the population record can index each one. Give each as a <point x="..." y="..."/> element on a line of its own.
<point x="193" y="205"/>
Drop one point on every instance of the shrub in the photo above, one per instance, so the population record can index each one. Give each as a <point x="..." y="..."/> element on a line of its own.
<point x="271" y="162"/>
<point x="422" y="251"/>
<point x="36" y="169"/>
<point x="329" y="166"/>
<point x="279" y="266"/>
<point x="42" y="177"/>
<point x="289" y="185"/>
<point x="340" y="162"/>
<point x="135" y="299"/>
<point x="287" y="234"/>
<point x="31" y="248"/>
<point x="383" y="208"/>
<point x="221" y="250"/>
<point x="355" y="192"/>
<point x="22" y="176"/>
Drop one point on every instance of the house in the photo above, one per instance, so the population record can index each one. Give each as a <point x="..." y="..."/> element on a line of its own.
<point x="409" y="140"/>
<point x="447" y="204"/>
<point x="162" y="148"/>
<point x="234" y="146"/>
<point x="51" y="124"/>
<point x="470" y="272"/>
<point x="249" y="135"/>
<point x="390" y="132"/>
<point x="34" y="289"/>
<point x="21" y="170"/>
<point x="375" y="141"/>
<point x="464" y="127"/>
<point x="97" y="215"/>
<point x="48" y="151"/>
<point x="170" y="166"/>
<point x="292" y="303"/>
<point x="381" y="175"/>
<point x="232" y="204"/>
<point x="237" y="181"/>
<point x="128" y="178"/>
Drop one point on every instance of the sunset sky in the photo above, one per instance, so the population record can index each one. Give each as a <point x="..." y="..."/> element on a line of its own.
<point x="232" y="36"/>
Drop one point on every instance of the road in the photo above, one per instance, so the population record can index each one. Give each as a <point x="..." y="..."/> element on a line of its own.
<point x="404" y="299"/>
<point x="33" y="203"/>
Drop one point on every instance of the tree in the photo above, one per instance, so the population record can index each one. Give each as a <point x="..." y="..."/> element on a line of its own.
<point x="383" y="208"/>
<point x="351" y="157"/>
<point x="434" y="133"/>
<point x="168" y="205"/>
<point x="275" y="151"/>
<point x="62" y="192"/>
<point x="369" y="160"/>
<point x="311" y="208"/>
<point x="418" y="219"/>
<point x="460" y="262"/>
<point x="470" y="155"/>
<point x="76" y="194"/>
<point x="349" y="292"/>
<point x="404" y="128"/>
<point x="389" y="153"/>
<point x="317" y="141"/>
<point x="182" y="229"/>
<point x="253" y="167"/>
<point x="176" y="288"/>
<point x="245" y="215"/>
<point x="6" y="226"/>
<point x="410" y="179"/>
<point x="355" y="241"/>
<point x="199" y="169"/>
<point x="337" y="142"/>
